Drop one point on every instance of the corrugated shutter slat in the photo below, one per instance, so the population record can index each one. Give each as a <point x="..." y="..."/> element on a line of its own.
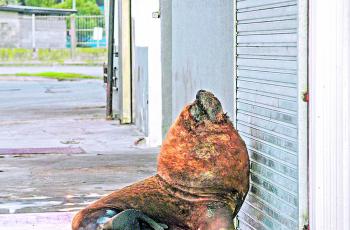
<point x="267" y="104"/>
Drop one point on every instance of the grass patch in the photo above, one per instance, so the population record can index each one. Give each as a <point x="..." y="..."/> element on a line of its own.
<point x="85" y="56"/>
<point x="54" y="75"/>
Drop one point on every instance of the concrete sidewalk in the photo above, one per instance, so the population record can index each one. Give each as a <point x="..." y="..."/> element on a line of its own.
<point x="50" y="113"/>
<point x="37" y="221"/>
<point x="58" y="114"/>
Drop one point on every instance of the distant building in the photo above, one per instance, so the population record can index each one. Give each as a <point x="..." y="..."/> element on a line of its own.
<point x="21" y="28"/>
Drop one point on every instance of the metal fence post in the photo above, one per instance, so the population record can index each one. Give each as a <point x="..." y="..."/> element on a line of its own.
<point x="33" y="32"/>
<point x="73" y="38"/>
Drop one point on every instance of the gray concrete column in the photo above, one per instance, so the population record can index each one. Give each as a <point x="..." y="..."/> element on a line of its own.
<point x="166" y="60"/>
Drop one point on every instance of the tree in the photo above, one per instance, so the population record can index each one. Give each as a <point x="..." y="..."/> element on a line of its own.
<point x="100" y="2"/>
<point x="42" y="3"/>
<point x="8" y="2"/>
<point x="84" y="7"/>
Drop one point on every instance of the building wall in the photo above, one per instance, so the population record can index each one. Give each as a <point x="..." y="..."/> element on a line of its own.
<point x="50" y="32"/>
<point x="146" y="34"/>
<point x="9" y="30"/>
<point x="16" y="31"/>
<point x="186" y="63"/>
<point x="140" y="89"/>
<point x="329" y="114"/>
<point x="202" y="51"/>
<point x="166" y="63"/>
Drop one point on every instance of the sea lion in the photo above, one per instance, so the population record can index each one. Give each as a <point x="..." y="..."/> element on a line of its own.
<point x="201" y="181"/>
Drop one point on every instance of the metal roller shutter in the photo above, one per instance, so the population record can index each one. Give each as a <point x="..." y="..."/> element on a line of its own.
<point x="267" y="110"/>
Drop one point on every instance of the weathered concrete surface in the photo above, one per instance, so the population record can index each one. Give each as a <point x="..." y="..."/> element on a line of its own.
<point x="41" y="183"/>
<point x="44" y="221"/>
<point x="49" y="113"/>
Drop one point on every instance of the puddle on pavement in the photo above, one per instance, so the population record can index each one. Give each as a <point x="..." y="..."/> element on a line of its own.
<point x="9" y="90"/>
<point x="12" y="207"/>
<point x="43" y="203"/>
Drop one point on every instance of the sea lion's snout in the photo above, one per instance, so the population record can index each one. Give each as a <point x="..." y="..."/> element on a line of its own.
<point x="206" y="107"/>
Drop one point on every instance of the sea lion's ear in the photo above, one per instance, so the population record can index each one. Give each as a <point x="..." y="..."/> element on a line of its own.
<point x="206" y="107"/>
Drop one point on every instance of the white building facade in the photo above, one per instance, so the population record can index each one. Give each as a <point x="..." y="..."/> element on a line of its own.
<point x="281" y="70"/>
<point x="329" y="114"/>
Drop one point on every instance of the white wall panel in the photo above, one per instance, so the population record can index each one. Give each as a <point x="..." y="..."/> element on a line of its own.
<point x="146" y="34"/>
<point x="329" y="114"/>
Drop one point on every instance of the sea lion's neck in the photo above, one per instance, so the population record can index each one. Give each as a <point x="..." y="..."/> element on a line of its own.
<point x="198" y="195"/>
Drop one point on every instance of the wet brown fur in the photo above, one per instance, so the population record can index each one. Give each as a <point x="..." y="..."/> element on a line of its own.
<point x="201" y="183"/>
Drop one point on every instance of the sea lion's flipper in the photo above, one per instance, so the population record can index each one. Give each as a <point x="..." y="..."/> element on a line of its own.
<point x="152" y="223"/>
<point x="130" y="219"/>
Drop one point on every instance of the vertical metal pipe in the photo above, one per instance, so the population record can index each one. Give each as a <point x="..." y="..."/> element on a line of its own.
<point x="74" y="5"/>
<point x="109" y="89"/>
<point x="73" y="34"/>
<point x="33" y="32"/>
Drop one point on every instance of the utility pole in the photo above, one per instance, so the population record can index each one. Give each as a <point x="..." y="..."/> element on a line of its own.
<point x="109" y="90"/>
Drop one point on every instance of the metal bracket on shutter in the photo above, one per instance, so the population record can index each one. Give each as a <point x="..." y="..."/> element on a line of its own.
<point x="236" y="223"/>
<point x="156" y="14"/>
<point x="306" y="96"/>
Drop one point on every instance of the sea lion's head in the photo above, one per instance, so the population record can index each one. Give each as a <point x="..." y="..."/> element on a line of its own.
<point x="203" y="153"/>
<point x="207" y="107"/>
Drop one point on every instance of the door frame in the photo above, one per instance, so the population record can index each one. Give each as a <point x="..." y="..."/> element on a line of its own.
<point x="303" y="112"/>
